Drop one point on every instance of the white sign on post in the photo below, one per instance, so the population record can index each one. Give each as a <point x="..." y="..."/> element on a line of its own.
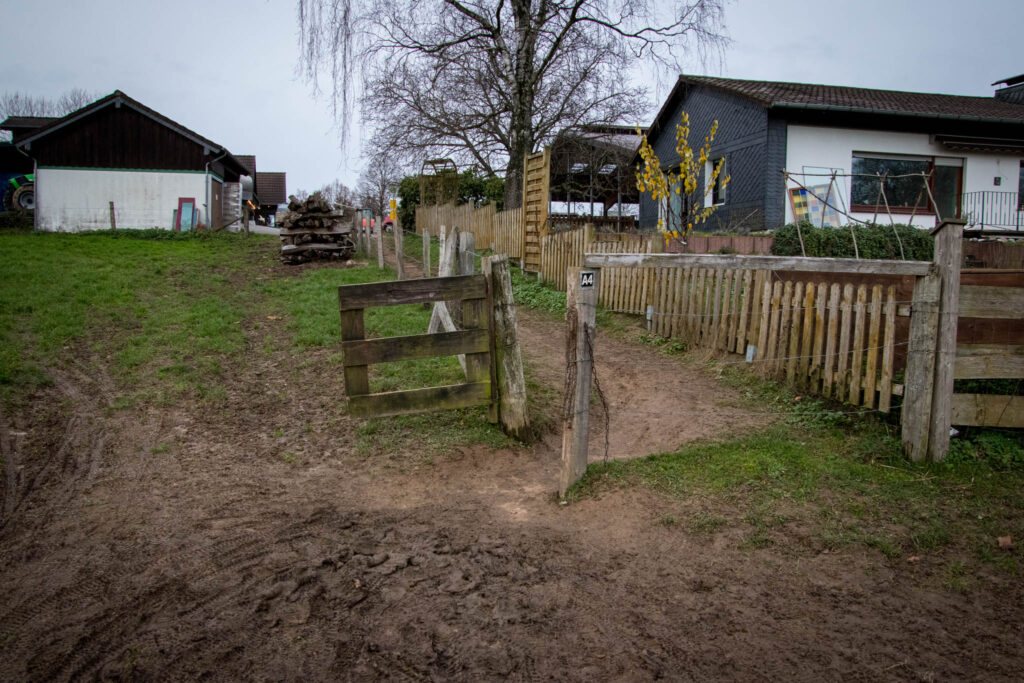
<point x="586" y="279"/>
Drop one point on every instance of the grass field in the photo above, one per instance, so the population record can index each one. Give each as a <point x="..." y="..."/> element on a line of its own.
<point x="167" y="315"/>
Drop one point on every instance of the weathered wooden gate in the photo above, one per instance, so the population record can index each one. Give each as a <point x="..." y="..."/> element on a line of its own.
<point x="476" y="341"/>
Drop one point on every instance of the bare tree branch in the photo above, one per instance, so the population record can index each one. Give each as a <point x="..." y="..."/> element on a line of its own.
<point x="487" y="81"/>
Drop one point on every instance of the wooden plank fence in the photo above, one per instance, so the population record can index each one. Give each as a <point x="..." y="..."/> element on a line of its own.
<point x="992" y="303"/>
<point x="508" y="233"/>
<point x="500" y="231"/>
<point x="536" y="194"/>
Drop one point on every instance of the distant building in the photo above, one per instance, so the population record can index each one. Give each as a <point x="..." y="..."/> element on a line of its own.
<point x="966" y="152"/>
<point x="272" y="192"/>
<point x="118" y="161"/>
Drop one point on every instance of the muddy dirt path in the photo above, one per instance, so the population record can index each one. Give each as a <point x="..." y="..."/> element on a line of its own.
<point x="176" y="543"/>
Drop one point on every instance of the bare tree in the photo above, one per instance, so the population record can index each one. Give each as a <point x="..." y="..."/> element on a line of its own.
<point x="486" y="81"/>
<point x="24" y="104"/>
<point x="338" y="193"/>
<point x="378" y="183"/>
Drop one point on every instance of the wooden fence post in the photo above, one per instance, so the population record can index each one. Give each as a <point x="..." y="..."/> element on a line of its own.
<point x="399" y="250"/>
<point x="948" y="258"/>
<point x="113" y="220"/>
<point x="425" y="238"/>
<point x="380" y="245"/>
<point x="466" y="263"/>
<point x="920" y="374"/>
<point x="508" y="359"/>
<point x="580" y="316"/>
<point x="366" y="235"/>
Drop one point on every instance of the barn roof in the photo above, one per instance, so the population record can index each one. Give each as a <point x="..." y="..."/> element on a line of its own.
<point x="249" y="162"/>
<point x="117" y="99"/>
<point x="271" y="187"/>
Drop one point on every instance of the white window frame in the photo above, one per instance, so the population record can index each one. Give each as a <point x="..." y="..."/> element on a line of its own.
<point x="709" y="196"/>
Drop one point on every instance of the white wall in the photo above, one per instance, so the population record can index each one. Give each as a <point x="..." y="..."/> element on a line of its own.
<point x="73" y="200"/>
<point x="824" y="147"/>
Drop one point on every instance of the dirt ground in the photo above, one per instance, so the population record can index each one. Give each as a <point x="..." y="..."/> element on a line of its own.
<point x="179" y="544"/>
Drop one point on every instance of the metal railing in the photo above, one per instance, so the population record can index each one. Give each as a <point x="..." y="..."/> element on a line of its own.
<point x="991" y="210"/>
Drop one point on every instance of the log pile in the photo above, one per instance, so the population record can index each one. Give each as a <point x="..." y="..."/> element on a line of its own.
<point x="313" y="229"/>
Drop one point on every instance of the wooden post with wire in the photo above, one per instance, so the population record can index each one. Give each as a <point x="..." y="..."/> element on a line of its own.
<point x="949" y="238"/>
<point x="508" y="358"/>
<point x="425" y="238"/>
<point x="399" y="250"/>
<point x="931" y="353"/>
<point x="380" y="244"/>
<point x="580" y="329"/>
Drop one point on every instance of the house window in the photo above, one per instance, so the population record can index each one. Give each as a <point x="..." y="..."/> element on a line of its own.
<point x="673" y="210"/>
<point x="908" y="181"/>
<point x="717" y="194"/>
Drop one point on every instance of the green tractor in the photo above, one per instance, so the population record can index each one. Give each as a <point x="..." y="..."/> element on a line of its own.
<point x="18" y="192"/>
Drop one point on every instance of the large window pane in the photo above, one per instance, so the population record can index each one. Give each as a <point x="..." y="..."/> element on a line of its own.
<point x="904" y="188"/>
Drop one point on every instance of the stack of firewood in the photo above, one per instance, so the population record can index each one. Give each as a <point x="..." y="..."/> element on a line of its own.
<point x="312" y="228"/>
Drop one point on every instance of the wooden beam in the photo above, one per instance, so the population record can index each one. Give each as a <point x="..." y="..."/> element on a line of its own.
<point x="988" y="410"/>
<point x="755" y="262"/>
<point x="399" y="250"/>
<point x="425" y="241"/>
<point x="949" y="238"/>
<point x="920" y="374"/>
<point x="989" y="361"/>
<point x="440" y="318"/>
<point x="380" y="244"/>
<point x="421" y="400"/>
<point x="991" y="302"/>
<point x="391" y="349"/>
<point x="580" y="323"/>
<point x="508" y="358"/>
<point x="357" y="380"/>
<point x="393" y="293"/>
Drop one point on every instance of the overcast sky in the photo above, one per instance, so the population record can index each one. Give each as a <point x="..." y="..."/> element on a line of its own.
<point x="227" y="69"/>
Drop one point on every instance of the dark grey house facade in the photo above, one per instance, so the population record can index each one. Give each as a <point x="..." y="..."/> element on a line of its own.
<point x="966" y="148"/>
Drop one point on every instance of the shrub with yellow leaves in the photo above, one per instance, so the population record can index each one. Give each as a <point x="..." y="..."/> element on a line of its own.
<point x="651" y="179"/>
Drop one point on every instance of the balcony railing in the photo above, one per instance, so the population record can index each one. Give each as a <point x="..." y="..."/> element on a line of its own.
<point x="990" y="210"/>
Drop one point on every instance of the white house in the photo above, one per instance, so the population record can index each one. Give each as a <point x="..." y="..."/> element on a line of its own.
<point x="833" y="154"/>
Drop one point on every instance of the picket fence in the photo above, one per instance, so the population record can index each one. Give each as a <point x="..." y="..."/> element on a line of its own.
<point x="830" y="338"/>
<point x="501" y="231"/>
<point x="560" y="250"/>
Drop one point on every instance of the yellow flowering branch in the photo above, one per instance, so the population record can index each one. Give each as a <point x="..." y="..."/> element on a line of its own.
<point x="660" y="185"/>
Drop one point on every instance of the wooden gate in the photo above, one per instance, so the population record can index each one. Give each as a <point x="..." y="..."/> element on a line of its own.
<point x="476" y="341"/>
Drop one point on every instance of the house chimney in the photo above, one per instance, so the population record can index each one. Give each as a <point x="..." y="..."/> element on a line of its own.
<point x="1014" y="90"/>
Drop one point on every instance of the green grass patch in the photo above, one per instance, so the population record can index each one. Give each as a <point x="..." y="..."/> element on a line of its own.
<point x="848" y="487"/>
<point x="163" y="307"/>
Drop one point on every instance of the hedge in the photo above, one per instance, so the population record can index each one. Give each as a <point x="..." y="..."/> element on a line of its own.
<point x="874" y="241"/>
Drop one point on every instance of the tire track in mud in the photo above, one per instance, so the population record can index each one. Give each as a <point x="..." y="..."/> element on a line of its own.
<point x="355" y="573"/>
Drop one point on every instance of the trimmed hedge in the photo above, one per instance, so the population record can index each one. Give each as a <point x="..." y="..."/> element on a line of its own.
<point x="874" y="241"/>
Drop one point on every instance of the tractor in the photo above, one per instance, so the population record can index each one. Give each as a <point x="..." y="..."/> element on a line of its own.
<point x="18" y="192"/>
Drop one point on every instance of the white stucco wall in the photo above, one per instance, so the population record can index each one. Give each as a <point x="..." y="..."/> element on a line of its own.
<point x="73" y="200"/>
<point x="823" y="148"/>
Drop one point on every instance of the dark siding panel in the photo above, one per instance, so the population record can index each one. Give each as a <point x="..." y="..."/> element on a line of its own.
<point x="118" y="138"/>
<point x="775" y="184"/>
<point x="742" y="140"/>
